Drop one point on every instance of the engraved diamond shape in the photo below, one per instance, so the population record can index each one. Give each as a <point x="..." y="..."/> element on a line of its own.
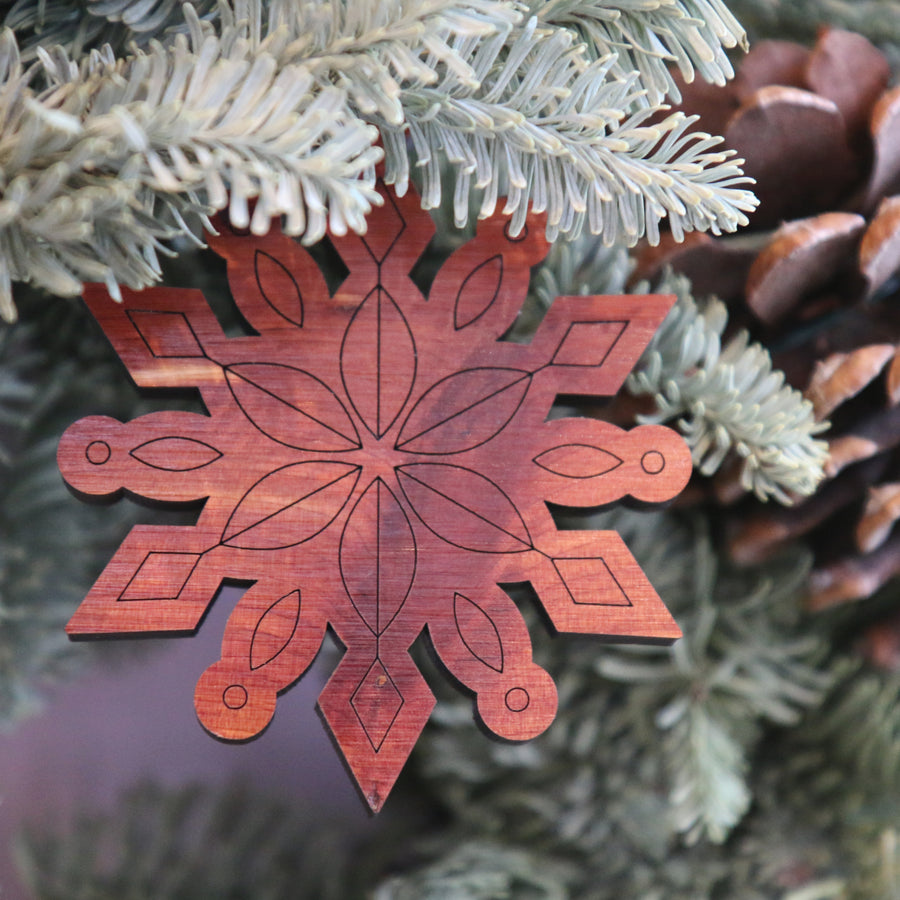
<point x="391" y="225"/>
<point x="377" y="703"/>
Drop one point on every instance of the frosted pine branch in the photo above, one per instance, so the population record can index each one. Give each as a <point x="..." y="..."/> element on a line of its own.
<point x="570" y="140"/>
<point x="746" y="660"/>
<point x="729" y="398"/>
<point x="648" y="36"/>
<point x="105" y="161"/>
<point x="276" y="103"/>
<point x="80" y="25"/>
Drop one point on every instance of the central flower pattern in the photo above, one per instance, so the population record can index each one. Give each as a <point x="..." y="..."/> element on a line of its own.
<point x="376" y="462"/>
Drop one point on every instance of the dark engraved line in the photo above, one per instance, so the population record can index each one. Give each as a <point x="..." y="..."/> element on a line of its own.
<point x="493" y="299"/>
<point x="341" y="568"/>
<point x="644" y="465"/>
<point x="415" y="560"/>
<point x="396" y="239"/>
<point x="490" y="622"/>
<point x="166" y="312"/>
<point x="265" y="296"/>
<point x="179" y="437"/>
<point x="400" y="471"/>
<point x="355" y="441"/>
<point x="510" y="706"/>
<point x="589" y="559"/>
<point x="623" y="322"/>
<point x="378" y="363"/>
<point x="120" y="598"/>
<point x="259" y="622"/>
<point x="400" y="705"/>
<point x="415" y="363"/>
<point x="390" y="249"/>
<point x="587" y="446"/>
<point x="379" y="293"/>
<point x="354" y="471"/>
<point x="378" y="630"/>
<point x="343" y="353"/>
<point x="378" y="557"/>
<point x="525" y="376"/>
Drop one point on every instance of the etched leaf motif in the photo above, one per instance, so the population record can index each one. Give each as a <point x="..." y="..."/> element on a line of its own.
<point x="175" y="454"/>
<point x="478" y="632"/>
<point x="292" y="407"/>
<point x="274" y="630"/>
<point x="378" y="556"/>
<point x="464" y="508"/>
<point x="278" y="287"/>
<point x="378" y="361"/>
<point x="464" y="410"/>
<point x="578" y="461"/>
<point x="478" y="292"/>
<point x="290" y="505"/>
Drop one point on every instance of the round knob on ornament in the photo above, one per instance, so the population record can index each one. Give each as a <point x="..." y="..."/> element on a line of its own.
<point x="90" y="455"/>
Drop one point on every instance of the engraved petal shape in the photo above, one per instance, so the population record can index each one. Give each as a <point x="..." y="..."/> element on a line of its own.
<point x="464" y="410"/>
<point x="278" y="287"/>
<point x="274" y="630"/>
<point x="378" y="556"/>
<point x="292" y="407"/>
<point x="478" y="632"/>
<point x="478" y="291"/>
<point x="378" y="361"/>
<point x="578" y="461"/>
<point x="175" y="454"/>
<point x="464" y="508"/>
<point x="290" y="505"/>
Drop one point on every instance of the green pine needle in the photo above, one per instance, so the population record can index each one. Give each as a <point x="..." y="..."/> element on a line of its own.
<point x="727" y="399"/>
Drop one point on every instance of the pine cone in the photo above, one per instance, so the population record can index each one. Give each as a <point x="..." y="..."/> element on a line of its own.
<point x="813" y="278"/>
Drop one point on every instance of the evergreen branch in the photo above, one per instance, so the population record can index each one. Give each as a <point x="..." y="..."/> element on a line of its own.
<point x="649" y="36"/>
<point x="160" y="844"/>
<point x="373" y="50"/>
<point x="859" y="729"/>
<point x="481" y="870"/>
<point x="106" y="160"/>
<point x="273" y="104"/>
<point x="634" y="718"/>
<point x="82" y="25"/>
<point x="743" y="663"/>
<point x="580" y="267"/>
<point x="51" y="547"/>
<point x="709" y="793"/>
<point x="729" y="398"/>
<point x="570" y="140"/>
<point x="878" y="20"/>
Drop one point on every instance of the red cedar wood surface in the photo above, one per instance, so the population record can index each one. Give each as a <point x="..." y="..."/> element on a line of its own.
<point x="378" y="462"/>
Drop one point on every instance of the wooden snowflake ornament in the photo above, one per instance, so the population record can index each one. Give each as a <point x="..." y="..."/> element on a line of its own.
<point x="380" y="463"/>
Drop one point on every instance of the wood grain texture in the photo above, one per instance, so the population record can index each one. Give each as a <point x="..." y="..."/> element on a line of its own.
<point x="378" y="462"/>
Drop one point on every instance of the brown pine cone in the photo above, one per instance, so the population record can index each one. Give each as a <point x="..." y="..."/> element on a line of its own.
<point x="814" y="278"/>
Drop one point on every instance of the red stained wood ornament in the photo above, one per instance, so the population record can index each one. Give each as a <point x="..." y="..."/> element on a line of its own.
<point x="378" y="462"/>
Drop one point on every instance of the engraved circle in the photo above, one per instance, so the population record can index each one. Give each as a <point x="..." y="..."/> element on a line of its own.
<point x="97" y="452"/>
<point x="235" y="696"/>
<point x="517" y="699"/>
<point x="653" y="462"/>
